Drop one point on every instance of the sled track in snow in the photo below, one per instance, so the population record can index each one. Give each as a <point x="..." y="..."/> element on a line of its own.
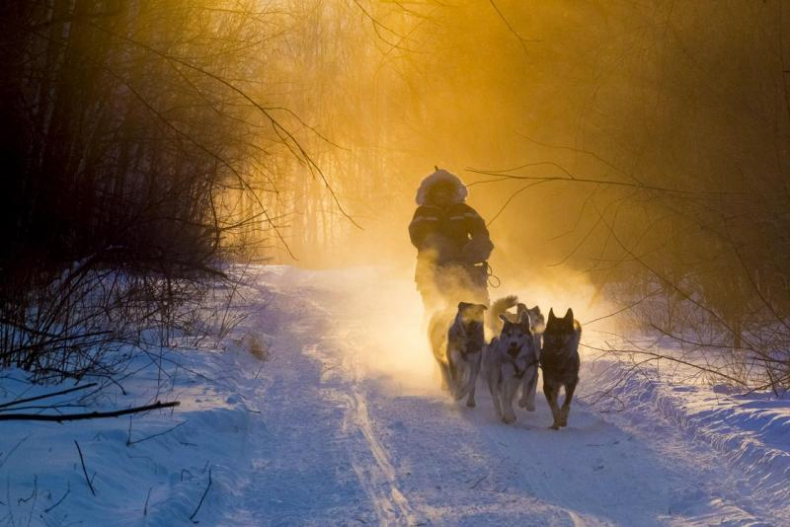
<point x="379" y="480"/>
<point x="369" y="457"/>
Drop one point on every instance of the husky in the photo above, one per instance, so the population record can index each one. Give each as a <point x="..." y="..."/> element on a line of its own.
<point x="529" y="387"/>
<point x="509" y="359"/>
<point x="560" y="362"/>
<point x="459" y="349"/>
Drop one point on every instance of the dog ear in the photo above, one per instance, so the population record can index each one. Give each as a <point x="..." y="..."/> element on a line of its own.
<point x="551" y="315"/>
<point x="463" y="305"/>
<point x="504" y="319"/>
<point x="524" y="322"/>
<point x="569" y="315"/>
<point x="536" y="309"/>
<point x="483" y="306"/>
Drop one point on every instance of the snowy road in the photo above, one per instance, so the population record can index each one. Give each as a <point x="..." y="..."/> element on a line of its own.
<point x="344" y="424"/>
<point x="352" y="431"/>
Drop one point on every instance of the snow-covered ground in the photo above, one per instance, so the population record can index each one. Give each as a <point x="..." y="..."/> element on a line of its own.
<point x="343" y="424"/>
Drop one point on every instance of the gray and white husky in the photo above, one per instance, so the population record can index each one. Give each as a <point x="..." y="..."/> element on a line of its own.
<point x="459" y="349"/>
<point x="509" y="359"/>
<point x="560" y="361"/>
<point x="529" y="385"/>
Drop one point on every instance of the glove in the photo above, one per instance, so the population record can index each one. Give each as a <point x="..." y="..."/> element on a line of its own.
<point x="477" y="250"/>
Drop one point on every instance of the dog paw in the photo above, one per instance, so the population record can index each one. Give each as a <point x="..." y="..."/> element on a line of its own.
<point x="555" y="426"/>
<point x="507" y="419"/>
<point x="470" y="404"/>
<point x="530" y="407"/>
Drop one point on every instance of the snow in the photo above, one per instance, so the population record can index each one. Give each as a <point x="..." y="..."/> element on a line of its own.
<point x="343" y="423"/>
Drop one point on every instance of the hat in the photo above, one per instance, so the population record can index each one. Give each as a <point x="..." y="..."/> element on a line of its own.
<point x="441" y="177"/>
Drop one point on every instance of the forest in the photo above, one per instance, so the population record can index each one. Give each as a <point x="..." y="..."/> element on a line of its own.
<point x="638" y="147"/>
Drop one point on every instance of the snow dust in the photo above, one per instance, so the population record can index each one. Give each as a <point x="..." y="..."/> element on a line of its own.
<point x="385" y="325"/>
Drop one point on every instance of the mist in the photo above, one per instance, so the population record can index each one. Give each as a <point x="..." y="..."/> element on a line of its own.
<point x="637" y="151"/>
<point x="621" y="153"/>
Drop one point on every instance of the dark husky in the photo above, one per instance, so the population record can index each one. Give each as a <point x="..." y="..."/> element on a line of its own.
<point x="458" y="349"/>
<point x="559" y="359"/>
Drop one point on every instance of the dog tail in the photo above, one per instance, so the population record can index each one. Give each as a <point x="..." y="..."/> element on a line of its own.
<point x="499" y="307"/>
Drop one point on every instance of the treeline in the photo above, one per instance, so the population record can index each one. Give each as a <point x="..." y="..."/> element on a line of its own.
<point x="643" y="145"/>
<point x="128" y="129"/>
<point x="689" y="223"/>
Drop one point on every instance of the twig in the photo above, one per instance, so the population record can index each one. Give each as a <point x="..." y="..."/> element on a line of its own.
<point x="38" y="397"/>
<point x="89" y="415"/>
<point x="55" y="407"/>
<point x="191" y="518"/>
<point x="589" y="181"/>
<point x="34" y="496"/>
<point x="478" y="482"/>
<point x="14" y="449"/>
<point x="130" y="443"/>
<point x="145" y="508"/>
<point x="657" y="356"/>
<point x="84" y="470"/>
<point x="8" y="499"/>
<point x="521" y="39"/>
<point x="68" y="490"/>
<point x="33" y="493"/>
<point x="626" y="308"/>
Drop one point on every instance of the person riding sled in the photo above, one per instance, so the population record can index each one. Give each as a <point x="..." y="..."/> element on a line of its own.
<point x="452" y="244"/>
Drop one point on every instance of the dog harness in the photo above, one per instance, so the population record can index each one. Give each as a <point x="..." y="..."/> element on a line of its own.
<point x="519" y="374"/>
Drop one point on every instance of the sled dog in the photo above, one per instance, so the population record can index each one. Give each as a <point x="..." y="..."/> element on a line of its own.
<point x="509" y="359"/>
<point x="560" y="361"/>
<point x="459" y="349"/>
<point x="529" y="386"/>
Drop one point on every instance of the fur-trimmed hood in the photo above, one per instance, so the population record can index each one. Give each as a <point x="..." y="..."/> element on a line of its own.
<point x="441" y="176"/>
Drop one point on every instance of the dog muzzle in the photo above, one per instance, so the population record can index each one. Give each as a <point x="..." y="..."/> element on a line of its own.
<point x="513" y="351"/>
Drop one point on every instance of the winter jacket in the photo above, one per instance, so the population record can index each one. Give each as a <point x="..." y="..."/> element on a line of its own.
<point x="454" y="234"/>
